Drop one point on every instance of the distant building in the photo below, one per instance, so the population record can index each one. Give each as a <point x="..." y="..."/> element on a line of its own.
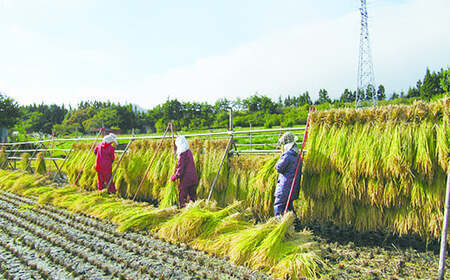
<point x="107" y="131"/>
<point x="3" y="135"/>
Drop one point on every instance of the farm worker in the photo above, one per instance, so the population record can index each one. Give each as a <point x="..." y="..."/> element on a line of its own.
<point x="185" y="171"/>
<point x="103" y="164"/>
<point x="286" y="166"/>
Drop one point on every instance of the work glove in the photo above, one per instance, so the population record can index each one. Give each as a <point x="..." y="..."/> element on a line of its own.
<point x="173" y="178"/>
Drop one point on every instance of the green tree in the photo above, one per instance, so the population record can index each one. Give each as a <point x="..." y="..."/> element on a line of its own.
<point x="347" y="96"/>
<point x="106" y="117"/>
<point x="395" y="96"/>
<point x="258" y="103"/>
<point x="431" y="85"/>
<point x="381" y="93"/>
<point x="9" y="111"/>
<point x="361" y="95"/>
<point x="323" y="97"/>
<point x="370" y="92"/>
<point x="445" y="80"/>
<point x="29" y="122"/>
<point x="80" y="116"/>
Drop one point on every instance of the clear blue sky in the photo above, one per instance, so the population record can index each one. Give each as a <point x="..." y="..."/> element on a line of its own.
<point x="142" y="52"/>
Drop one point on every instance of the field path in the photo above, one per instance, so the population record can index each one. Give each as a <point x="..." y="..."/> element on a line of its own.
<point x="45" y="242"/>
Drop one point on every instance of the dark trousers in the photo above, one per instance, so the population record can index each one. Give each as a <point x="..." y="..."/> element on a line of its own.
<point x="184" y="192"/>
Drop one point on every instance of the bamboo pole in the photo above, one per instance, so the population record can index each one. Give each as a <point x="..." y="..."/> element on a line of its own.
<point x="51" y="153"/>
<point x="173" y="143"/>
<point x="29" y="162"/>
<point x="9" y="162"/>
<point x="251" y="146"/>
<point x="220" y="166"/>
<point x="87" y="156"/>
<point x="64" y="162"/>
<point x="117" y="165"/>
<point x="151" y="162"/>
<point x="444" y="231"/>
<point x="300" y="158"/>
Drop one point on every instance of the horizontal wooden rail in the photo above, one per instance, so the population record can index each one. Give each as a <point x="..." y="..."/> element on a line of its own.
<point x="37" y="150"/>
<point x="18" y="158"/>
<point x="229" y="133"/>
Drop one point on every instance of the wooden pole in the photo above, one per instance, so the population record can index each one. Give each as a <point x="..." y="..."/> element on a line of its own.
<point x="220" y="166"/>
<point x="14" y="154"/>
<point x="251" y="144"/>
<point x="231" y="120"/>
<point x="173" y="143"/>
<point x="300" y="158"/>
<point x="87" y="156"/>
<point x="444" y="231"/>
<point x="51" y="153"/>
<point x="64" y="162"/>
<point x="32" y="155"/>
<point x="118" y="163"/>
<point x="151" y="162"/>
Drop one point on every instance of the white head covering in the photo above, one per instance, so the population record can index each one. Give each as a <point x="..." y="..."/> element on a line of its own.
<point x="288" y="141"/>
<point x="182" y="145"/>
<point x="110" y="138"/>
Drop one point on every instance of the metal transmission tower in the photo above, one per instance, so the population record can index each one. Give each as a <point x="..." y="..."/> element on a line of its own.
<point x="366" y="77"/>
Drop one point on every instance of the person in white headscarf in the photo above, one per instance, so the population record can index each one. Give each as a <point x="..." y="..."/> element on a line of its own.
<point x="185" y="171"/>
<point x="286" y="167"/>
<point x="103" y="163"/>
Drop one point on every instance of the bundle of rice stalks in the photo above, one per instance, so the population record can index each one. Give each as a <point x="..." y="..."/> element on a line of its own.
<point x="241" y="245"/>
<point x="211" y="161"/>
<point x="88" y="178"/>
<point x="38" y="191"/>
<point x="243" y="170"/>
<point x="281" y="242"/>
<point x="147" y="220"/>
<point x="262" y="188"/>
<point x="339" y="149"/>
<point x="442" y="144"/>
<point x="197" y="219"/>
<point x="368" y="218"/>
<point x="425" y="151"/>
<point x="40" y="164"/>
<point x="50" y="197"/>
<point x="170" y="195"/>
<point x="24" y="163"/>
<point x="7" y="178"/>
<point x="24" y="182"/>
<point x="214" y="243"/>
<point x="418" y="112"/>
<point x="3" y="158"/>
<point x="302" y="265"/>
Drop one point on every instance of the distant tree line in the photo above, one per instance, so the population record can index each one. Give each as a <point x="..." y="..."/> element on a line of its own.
<point x="256" y="110"/>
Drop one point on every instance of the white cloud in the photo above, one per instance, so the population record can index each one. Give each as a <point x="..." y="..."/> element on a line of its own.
<point x="405" y="40"/>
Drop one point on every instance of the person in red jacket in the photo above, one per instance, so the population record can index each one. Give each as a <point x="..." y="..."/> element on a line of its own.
<point x="103" y="164"/>
<point x="186" y="172"/>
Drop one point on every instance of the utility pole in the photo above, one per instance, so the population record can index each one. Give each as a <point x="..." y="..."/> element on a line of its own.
<point x="366" y="76"/>
<point x="231" y="120"/>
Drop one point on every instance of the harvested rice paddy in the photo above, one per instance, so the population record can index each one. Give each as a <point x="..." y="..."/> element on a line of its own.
<point x="371" y="204"/>
<point x="45" y="242"/>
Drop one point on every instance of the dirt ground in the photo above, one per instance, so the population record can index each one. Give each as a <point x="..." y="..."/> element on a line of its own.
<point x="376" y="255"/>
<point x="44" y="242"/>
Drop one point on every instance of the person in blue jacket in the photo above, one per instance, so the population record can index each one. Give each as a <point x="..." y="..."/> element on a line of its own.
<point x="286" y="166"/>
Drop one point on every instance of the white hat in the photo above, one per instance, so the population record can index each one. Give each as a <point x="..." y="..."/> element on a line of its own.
<point x="182" y="144"/>
<point x="110" y="138"/>
<point x="288" y="140"/>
